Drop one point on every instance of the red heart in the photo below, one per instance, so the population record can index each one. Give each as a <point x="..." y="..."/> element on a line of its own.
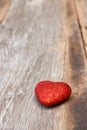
<point x="52" y="93"/>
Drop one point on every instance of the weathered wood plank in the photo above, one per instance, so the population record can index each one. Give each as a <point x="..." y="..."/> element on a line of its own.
<point x="75" y="69"/>
<point x="4" y="5"/>
<point x="30" y="50"/>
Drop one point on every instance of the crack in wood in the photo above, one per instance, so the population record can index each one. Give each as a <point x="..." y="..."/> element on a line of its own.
<point x="80" y="28"/>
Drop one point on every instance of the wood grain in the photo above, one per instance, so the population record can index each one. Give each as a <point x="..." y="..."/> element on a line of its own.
<point x="41" y="40"/>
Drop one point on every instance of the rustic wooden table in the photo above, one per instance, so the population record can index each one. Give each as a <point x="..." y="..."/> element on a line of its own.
<point x="43" y="40"/>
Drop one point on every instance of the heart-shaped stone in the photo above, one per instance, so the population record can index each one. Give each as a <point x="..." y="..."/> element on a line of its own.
<point x="52" y="93"/>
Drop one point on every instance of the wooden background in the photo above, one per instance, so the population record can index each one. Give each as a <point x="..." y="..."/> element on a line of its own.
<point x="43" y="40"/>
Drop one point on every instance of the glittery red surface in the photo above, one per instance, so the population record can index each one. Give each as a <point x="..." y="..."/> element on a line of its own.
<point x="52" y="93"/>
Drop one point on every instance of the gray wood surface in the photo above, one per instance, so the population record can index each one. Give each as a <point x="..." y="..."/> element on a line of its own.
<point x="41" y="40"/>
